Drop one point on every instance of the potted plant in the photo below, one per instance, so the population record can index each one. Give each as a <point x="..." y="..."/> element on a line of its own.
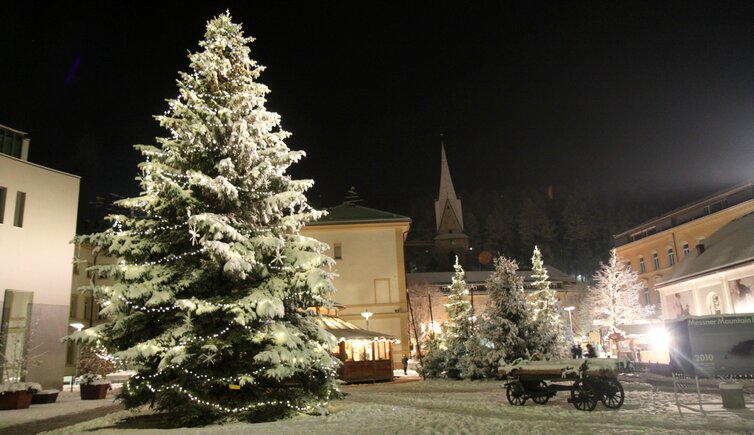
<point x="17" y="395"/>
<point x="16" y="356"/>
<point x="92" y="384"/>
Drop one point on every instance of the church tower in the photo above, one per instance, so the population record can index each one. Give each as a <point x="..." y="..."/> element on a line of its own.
<point x="450" y="239"/>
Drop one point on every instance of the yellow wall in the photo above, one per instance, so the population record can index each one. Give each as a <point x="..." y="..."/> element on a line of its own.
<point x="370" y="275"/>
<point x="690" y="232"/>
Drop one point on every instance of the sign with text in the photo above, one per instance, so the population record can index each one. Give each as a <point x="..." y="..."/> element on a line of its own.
<point x="708" y="346"/>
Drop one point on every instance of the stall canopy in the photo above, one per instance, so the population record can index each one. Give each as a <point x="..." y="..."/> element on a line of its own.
<point x="343" y="330"/>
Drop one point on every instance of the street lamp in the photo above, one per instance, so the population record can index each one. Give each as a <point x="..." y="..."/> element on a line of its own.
<point x="570" y="322"/>
<point x="78" y="326"/>
<point x="366" y="315"/>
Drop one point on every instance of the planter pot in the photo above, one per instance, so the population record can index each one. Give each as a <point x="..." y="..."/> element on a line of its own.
<point x="94" y="392"/>
<point x="46" y="396"/>
<point x="15" y="400"/>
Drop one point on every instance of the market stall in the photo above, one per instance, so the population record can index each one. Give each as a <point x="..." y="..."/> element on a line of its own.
<point x="366" y="355"/>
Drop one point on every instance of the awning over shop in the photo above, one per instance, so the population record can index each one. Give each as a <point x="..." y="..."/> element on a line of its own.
<point x="343" y="330"/>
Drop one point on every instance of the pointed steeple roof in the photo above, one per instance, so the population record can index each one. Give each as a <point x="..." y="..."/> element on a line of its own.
<point x="448" y="213"/>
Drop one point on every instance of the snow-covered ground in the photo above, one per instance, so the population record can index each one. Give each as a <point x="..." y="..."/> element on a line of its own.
<point x="462" y="407"/>
<point x="68" y="402"/>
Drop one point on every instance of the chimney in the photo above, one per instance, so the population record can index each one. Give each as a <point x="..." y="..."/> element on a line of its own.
<point x="699" y="249"/>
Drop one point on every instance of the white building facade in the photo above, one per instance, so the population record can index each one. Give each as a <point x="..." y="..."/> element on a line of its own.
<point x="38" y="210"/>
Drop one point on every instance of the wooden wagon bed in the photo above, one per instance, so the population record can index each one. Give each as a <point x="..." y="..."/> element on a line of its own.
<point x="589" y="380"/>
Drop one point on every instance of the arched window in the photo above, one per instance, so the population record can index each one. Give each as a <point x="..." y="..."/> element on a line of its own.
<point x="714" y="306"/>
<point x="655" y="260"/>
<point x="642" y="266"/>
<point x="671" y="257"/>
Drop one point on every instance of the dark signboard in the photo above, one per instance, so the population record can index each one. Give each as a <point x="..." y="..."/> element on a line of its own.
<point x="708" y="346"/>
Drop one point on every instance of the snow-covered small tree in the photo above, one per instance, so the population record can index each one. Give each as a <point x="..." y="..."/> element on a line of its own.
<point x="212" y="290"/>
<point x="506" y="331"/>
<point x="613" y="300"/>
<point x="434" y="363"/>
<point x="458" y="328"/>
<point x="544" y="306"/>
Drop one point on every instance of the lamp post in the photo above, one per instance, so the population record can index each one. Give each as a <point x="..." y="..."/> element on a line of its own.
<point x="78" y="326"/>
<point x="366" y="315"/>
<point x="570" y="322"/>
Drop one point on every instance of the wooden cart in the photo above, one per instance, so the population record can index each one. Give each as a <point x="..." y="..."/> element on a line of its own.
<point x="588" y="381"/>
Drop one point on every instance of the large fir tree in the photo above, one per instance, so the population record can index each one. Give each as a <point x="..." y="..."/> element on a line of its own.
<point x="458" y="329"/>
<point x="214" y="280"/>
<point x="506" y="332"/>
<point x="544" y="307"/>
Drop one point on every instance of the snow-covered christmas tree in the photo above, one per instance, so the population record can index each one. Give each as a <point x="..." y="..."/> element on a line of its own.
<point x="544" y="307"/>
<point x="506" y="332"/>
<point x="214" y="280"/>
<point x="613" y="300"/>
<point x="458" y="328"/>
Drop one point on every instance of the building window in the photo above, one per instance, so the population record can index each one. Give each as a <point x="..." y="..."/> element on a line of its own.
<point x="337" y="251"/>
<point x="74" y="306"/>
<point x="685" y="249"/>
<point x="713" y="304"/>
<point x="671" y="256"/>
<point x="3" y="195"/>
<point x="18" y="220"/>
<point x="646" y="296"/>
<point x="88" y="308"/>
<point x="642" y="266"/>
<point x="11" y="142"/>
<point x="15" y="332"/>
<point x="628" y="264"/>
<point x="655" y="261"/>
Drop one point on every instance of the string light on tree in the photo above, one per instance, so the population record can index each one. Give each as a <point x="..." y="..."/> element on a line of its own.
<point x="215" y="279"/>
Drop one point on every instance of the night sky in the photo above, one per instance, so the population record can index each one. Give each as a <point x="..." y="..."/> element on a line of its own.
<point x="646" y="96"/>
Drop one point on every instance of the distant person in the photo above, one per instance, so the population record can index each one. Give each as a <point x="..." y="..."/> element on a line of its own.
<point x="574" y="351"/>
<point x="404" y="360"/>
<point x="579" y="351"/>
<point x="591" y="352"/>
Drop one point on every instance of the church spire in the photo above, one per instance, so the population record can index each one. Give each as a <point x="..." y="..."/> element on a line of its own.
<point x="448" y="213"/>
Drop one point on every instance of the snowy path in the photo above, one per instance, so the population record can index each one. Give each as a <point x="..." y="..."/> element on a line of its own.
<point x="458" y="407"/>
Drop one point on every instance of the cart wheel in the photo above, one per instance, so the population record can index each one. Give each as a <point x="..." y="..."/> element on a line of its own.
<point x="541" y="400"/>
<point x="583" y="396"/>
<point x="514" y="392"/>
<point x="613" y="394"/>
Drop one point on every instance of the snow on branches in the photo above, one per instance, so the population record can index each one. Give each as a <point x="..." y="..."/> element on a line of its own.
<point x="613" y="300"/>
<point x="213" y="281"/>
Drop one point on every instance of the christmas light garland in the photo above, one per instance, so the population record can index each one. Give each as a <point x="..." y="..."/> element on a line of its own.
<point x="219" y="407"/>
<point x="165" y="259"/>
<point x="121" y="232"/>
<point x="200" y="376"/>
